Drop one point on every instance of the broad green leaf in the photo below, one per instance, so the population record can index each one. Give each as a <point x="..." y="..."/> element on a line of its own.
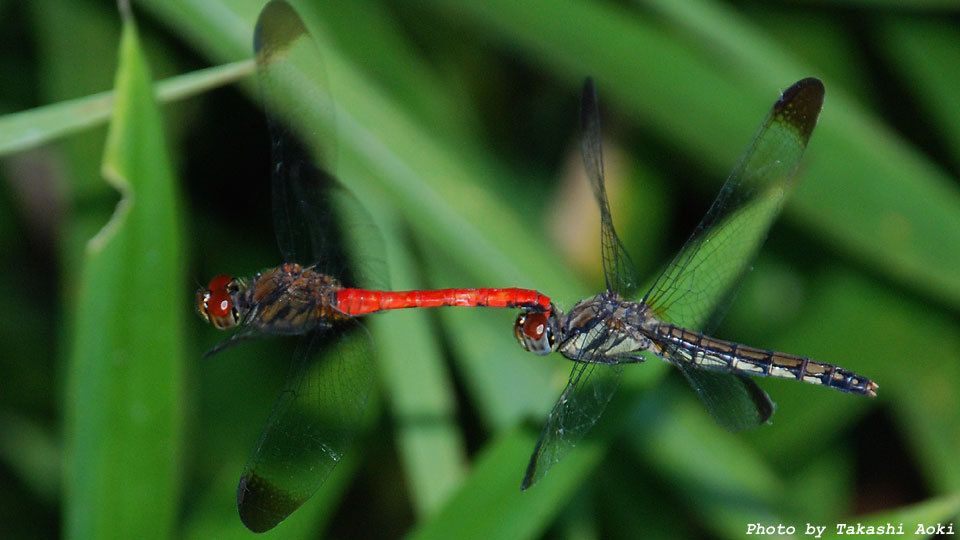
<point x="124" y="405"/>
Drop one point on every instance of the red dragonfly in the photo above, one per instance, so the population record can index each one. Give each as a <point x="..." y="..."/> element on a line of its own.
<point x="321" y="407"/>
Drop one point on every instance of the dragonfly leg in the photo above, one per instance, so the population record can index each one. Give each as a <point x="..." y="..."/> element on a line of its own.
<point x="632" y="358"/>
<point x="611" y="360"/>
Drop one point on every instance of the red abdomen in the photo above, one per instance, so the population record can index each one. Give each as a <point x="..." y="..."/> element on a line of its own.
<point x="361" y="302"/>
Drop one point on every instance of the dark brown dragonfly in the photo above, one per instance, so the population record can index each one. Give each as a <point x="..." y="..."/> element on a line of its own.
<point x="620" y="325"/>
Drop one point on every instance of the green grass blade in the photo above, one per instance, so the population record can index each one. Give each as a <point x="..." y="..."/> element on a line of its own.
<point x="711" y="470"/>
<point x="33" y="453"/>
<point x="918" y="520"/>
<point x="29" y="129"/>
<point x="123" y="427"/>
<point x="490" y="503"/>
<point x="873" y="334"/>
<point x="419" y="389"/>
<point x="923" y="50"/>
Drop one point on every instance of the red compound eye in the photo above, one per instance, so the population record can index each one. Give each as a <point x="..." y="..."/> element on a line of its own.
<point x="535" y="325"/>
<point x="215" y="303"/>
<point x="535" y="332"/>
<point x="218" y="303"/>
<point x="219" y="282"/>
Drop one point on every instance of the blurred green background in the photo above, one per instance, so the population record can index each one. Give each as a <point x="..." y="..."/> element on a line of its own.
<point x="457" y="123"/>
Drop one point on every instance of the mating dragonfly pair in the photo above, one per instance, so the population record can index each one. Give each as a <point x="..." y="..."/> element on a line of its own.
<point x="321" y="407"/>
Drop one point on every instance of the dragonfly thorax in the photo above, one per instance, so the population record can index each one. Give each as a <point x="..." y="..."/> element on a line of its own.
<point x="291" y="299"/>
<point x="605" y="329"/>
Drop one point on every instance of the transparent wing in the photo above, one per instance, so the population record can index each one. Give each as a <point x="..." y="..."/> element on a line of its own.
<point x="618" y="269"/>
<point x="580" y="405"/>
<point x="695" y="288"/>
<point x="724" y="244"/>
<point x="287" y="60"/>
<point x="312" y="425"/>
<point x="314" y="215"/>
<point x="322" y="405"/>
<point x="734" y="401"/>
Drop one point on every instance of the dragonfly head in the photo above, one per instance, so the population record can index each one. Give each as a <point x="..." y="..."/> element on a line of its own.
<point x="217" y="304"/>
<point x="536" y="331"/>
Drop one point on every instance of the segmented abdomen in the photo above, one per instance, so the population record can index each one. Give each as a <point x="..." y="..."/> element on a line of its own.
<point x="361" y="302"/>
<point x="684" y="345"/>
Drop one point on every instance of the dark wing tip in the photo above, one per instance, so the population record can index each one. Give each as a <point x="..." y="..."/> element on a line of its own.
<point x="800" y="105"/>
<point x="588" y="103"/>
<point x="528" y="479"/>
<point x="589" y="87"/>
<point x="277" y="26"/>
<point x="765" y="406"/>
<point x="261" y="505"/>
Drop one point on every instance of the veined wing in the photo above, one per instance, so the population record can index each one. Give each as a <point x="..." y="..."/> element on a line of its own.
<point x="586" y="395"/>
<point x="733" y="400"/>
<point x="285" y="55"/>
<point x="694" y="289"/>
<point x="591" y="385"/>
<point x="618" y="269"/>
<point x="321" y="407"/>
<point x="312" y="425"/>
<point x="725" y="243"/>
<point x="314" y="215"/>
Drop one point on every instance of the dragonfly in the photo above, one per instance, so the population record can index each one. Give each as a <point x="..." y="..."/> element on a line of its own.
<point x="322" y="404"/>
<point x="620" y="326"/>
